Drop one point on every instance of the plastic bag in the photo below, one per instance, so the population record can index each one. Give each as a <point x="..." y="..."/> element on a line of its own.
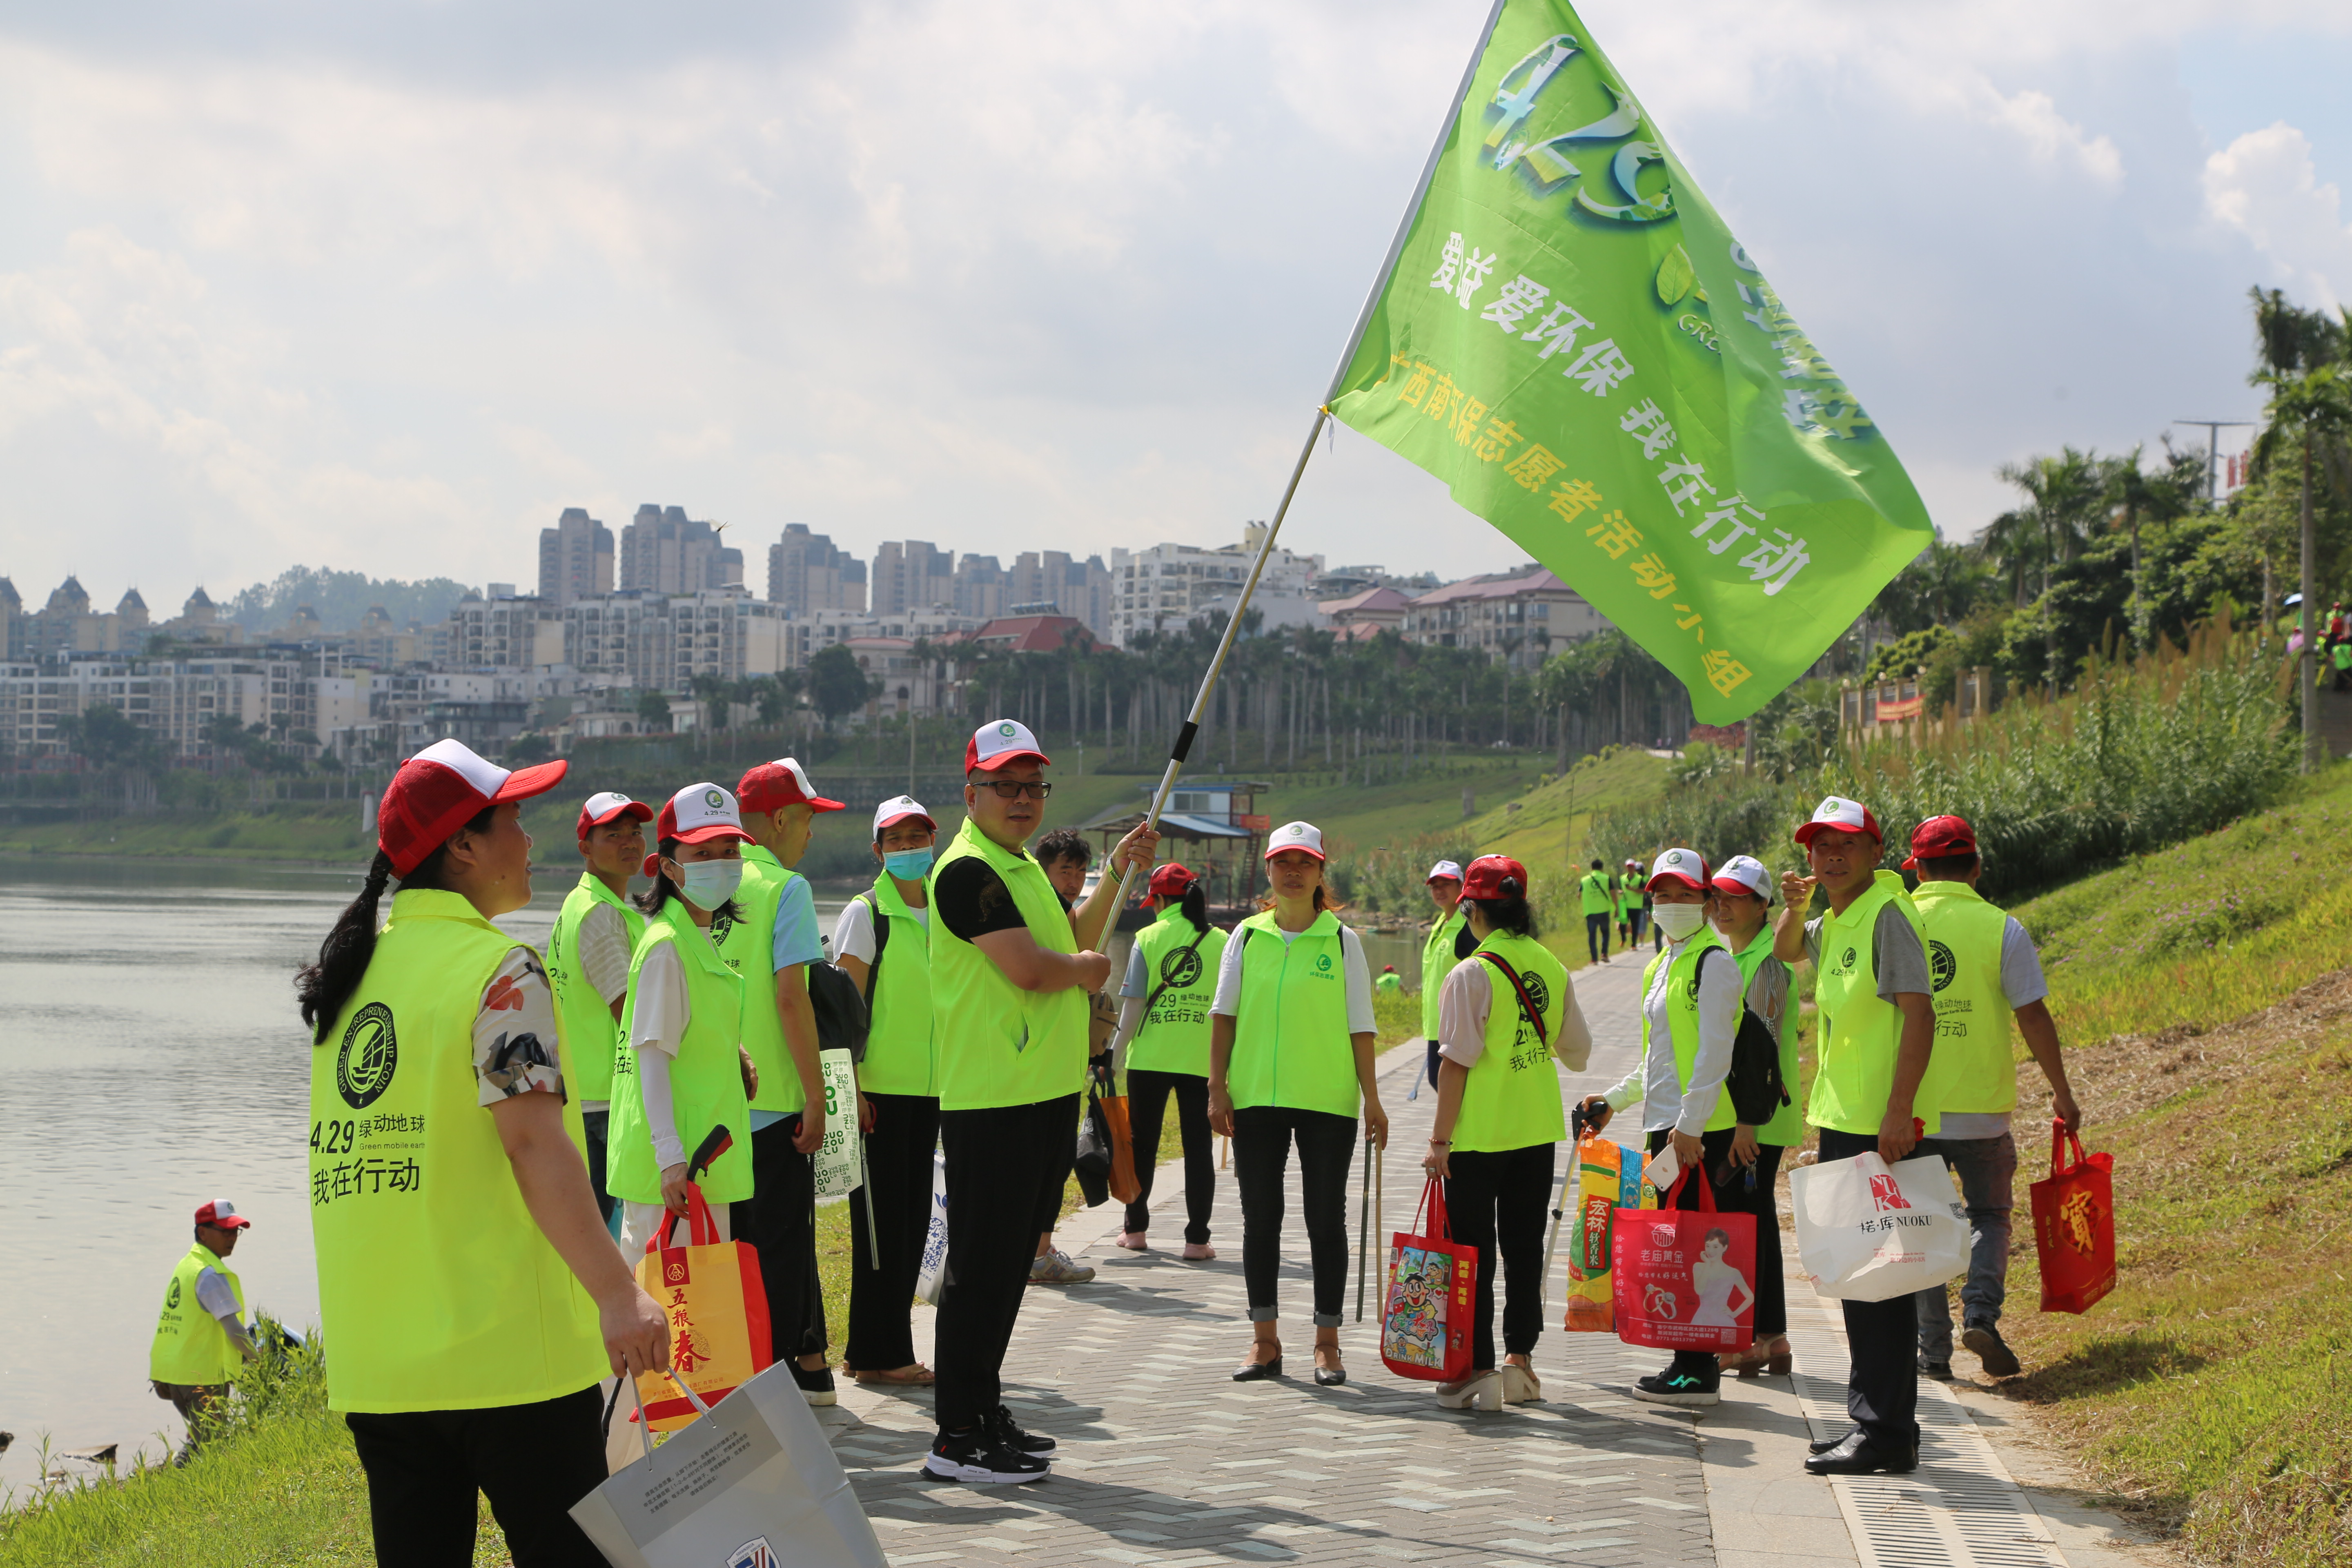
<point x="835" y="1169"/>
<point x="2075" y="1226"/>
<point x="1608" y="1178"/>
<point x="1868" y="1231"/>
<point x="932" y="1276"/>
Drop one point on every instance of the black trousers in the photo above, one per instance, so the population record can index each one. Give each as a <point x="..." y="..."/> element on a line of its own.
<point x="898" y="1185"/>
<point x="1327" y="1147"/>
<point x="1596" y="935"/>
<point x="1147" y="1107"/>
<point x="1733" y="1196"/>
<point x="532" y="1461"/>
<point x="1006" y="1168"/>
<point x="779" y="1219"/>
<point x="595" y="1122"/>
<point x="1496" y="1202"/>
<point x="1881" y="1389"/>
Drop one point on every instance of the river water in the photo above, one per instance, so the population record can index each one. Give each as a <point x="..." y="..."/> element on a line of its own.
<point x="150" y="1059"/>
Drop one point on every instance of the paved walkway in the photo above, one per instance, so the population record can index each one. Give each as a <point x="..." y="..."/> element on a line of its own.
<point x="1163" y="1461"/>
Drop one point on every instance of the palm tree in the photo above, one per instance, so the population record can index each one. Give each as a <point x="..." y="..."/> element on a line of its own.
<point x="2063" y="494"/>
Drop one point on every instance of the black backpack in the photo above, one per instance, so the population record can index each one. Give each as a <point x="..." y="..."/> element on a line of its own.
<point x="1756" y="1090"/>
<point x="840" y="1010"/>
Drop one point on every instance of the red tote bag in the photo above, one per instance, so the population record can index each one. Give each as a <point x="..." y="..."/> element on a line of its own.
<point x="1685" y="1280"/>
<point x="2075" y="1226"/>
<point x="1426" y="1309"/>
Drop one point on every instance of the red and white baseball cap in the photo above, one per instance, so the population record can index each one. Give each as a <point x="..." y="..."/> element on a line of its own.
<point x="221" y="1215"/>
<point x="772" y="786"/>
<point x="901" y="808"/>
<point x="1495" y="877"/>
<point x="436" y="791"/>
<point x="1687" y="867"/>
<point x="1001" y="743"/>
<point x="1847" y="815"/>
<point x="1172" y="880"/>
<point x="1744" y="874"/>
<point x="1940" y="836"/>
<point x="696" y="815"/>
<point x="1303" y="835"/>
<point x="1442" y="871"/>
<point x="611" y="807"/>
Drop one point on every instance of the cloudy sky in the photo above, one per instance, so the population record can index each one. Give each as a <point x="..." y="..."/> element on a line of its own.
<point x="384" y="285"/>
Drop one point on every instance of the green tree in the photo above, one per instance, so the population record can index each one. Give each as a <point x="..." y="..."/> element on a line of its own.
<point x="836" y="686"/>
<point x="103" y="736"/>
<point x="653" y="712"/>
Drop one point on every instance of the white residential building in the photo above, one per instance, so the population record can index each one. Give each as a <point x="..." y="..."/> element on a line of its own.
<point x="1169" y="584"/>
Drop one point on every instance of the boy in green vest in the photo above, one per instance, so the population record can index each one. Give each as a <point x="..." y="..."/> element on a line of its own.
<point x="1449" y="942"/>
<point x="201" y="1338"/>
<point x="1599" y="892"/>
<point x="1010" y="979"/>
<point x="1985" y="972"/>
<point x="1878" y="1029"/>
<point x="588" y="965"/>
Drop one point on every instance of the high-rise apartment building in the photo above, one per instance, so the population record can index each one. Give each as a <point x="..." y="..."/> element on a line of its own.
<point x="664" y="552"/>
<point x="911" y="575"/>
<point x="1079" y="589"/>
<point x="575" y="558"/>
<point x="980" y="587"/>
<point x="1167" y="585"/>
<point x="807" y="574"/>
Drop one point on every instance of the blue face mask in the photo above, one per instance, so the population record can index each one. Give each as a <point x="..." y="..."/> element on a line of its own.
<point x="908" y="865"/>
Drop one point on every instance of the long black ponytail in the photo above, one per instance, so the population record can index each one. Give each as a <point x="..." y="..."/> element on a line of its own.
<point x="323" y="989"/>
<point x="1195" y="906"/>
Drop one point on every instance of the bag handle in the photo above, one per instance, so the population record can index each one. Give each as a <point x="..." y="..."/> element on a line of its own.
<point x="2059" y="1138"/>
<point x="701" y="1228"/>
<point x="1543" y="1036"/>
<point x="1706" y="1192"/>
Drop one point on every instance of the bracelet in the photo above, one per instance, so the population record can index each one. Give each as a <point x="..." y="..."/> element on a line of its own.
<point x="1442" y="1142"/>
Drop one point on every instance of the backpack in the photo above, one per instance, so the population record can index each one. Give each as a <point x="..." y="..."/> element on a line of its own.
<point x="1756" y="1090"/>
<point x="881" y="942"/>
<point x="840" y="1009"/>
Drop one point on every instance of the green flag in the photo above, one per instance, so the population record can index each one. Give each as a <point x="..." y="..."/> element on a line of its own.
<point x="1566" y="334"/>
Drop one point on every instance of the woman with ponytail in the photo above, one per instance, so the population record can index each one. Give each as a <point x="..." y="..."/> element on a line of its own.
<point x="1290" y="1059"/>
<point x="1163" y="1043"/>
<point x="465" y="1280"/>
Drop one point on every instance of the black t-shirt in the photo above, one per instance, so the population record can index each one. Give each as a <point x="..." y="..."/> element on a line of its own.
<point x="1464" y="944"/>
<point x="972" y="899"/>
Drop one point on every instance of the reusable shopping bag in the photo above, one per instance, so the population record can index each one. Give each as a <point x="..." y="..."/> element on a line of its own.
<point x="2075" y="1226"/>
<point x="1868" y="1231"/>
<point x="1675" y="1274"/>
<point x="718" y="1310"/>
<point x="751" y="1482"/>
<point x="1608" y="1178"/>
<point x="1105" y="1162"/>
<point x="835" y="1168"/>
<point x="1426" y="1309"/>
<point x="931" y="1276"/>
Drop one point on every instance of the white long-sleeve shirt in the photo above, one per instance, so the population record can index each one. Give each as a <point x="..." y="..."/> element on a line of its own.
<point x="1357" y="976"/>
<point x="1656" y="1082"/>
<point x="656" y="1029"/>
<point x="1466" y="999"/>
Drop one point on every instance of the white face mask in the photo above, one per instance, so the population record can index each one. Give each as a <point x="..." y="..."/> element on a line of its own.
<point x="1679" y="920"/>
<point x="709" y="883"/>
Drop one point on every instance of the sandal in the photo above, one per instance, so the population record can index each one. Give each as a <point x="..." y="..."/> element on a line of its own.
<point x="1770" y="1359"/>
<point x="917" y="1375"/>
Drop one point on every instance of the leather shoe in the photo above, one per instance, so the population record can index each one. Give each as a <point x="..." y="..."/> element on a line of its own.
<point x="1823" y="1445"/>
<point x="1258" y="1371"/>
<point x="1858" y="1456"/>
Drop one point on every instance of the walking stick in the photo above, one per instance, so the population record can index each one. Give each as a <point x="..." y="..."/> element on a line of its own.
<point x="1559" y="1203"/>
<point x="1363" y="1239"/>
<point x="873" y="1231"/>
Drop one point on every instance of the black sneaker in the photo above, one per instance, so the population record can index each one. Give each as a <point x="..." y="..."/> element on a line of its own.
<point x="1003" y="1431"/>
<point x="975" y="1456"/>
<point x="1941" y="1371"/>
<point x="2000" y="1361"/>
<point x="816" y="1383"/>
<point x="1692" y="1389"/>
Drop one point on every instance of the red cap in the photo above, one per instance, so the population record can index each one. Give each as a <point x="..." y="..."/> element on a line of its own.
<point x="439" y="789"/>
<point x="611" y="807"/>
<point x="1940" y="836"/>
<point x="772" y="786"/>
<point x="1846" y="815"/>
<point x="1000" y="745"/>
<point x="1495" y="877"/>
<point x="221" y="1215"/>
<point x="1171" y="881"/>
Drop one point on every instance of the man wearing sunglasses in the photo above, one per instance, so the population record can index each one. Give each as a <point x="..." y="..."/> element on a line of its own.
<point x="1010" y="972"/>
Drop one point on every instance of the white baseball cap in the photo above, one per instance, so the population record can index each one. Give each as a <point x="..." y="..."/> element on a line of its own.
<point x="1845" y="816"/>
<point x="1685" y="865"/>
<point x="1000" y="743"/>
<point x="610" y="806"/>
<point x="898" y="809"/>
<point x="1442" y="870"/>
<point x="1745" y="874"/>
<point x="696" y="815"/>
<point x="1295" y="836"/>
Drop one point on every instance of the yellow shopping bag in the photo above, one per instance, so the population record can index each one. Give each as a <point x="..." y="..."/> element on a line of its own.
<point x="717" y="1310"/>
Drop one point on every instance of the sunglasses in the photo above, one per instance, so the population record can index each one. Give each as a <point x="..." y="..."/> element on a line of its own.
<point x="1010" y="789"/>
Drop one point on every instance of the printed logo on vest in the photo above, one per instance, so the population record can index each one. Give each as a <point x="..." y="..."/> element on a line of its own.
<point x="1941" y="965"/>
<point x="1323" y="963"/>
<point x="1845" y="961"/>
<point x="1537" y="992"/>
<point x="721" y="922"/>
<point x="171" y="1296"/>
<point x="370" y="1055"/>
<point x="1180" y="969"/>
<point x="1887" y="1195"/>
<point x="753" y="1554"/>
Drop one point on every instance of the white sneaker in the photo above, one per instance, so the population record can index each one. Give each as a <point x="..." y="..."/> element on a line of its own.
<point x="1058" y="1268"/>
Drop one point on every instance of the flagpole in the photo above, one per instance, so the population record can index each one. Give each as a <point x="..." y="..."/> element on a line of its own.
<point x="1177" y="752"/>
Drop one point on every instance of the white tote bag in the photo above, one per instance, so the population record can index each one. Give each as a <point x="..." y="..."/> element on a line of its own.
<point x="932" y="1278"/>
<point x="1868" y="1231"/>
<point x="751" y="1483"/>
<point x="837" y="1153"/>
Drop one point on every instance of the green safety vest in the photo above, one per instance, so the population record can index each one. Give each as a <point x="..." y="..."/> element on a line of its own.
<point x="1682" y="1016"/>
<point x="1862" y="1031"/>
<point x="748" y="945"/>
<point x="1599" y="893"/>
<point x="191" y="1346"/>
<point x="1787" y="1128"/>
<point x="1436" y="962"/>
<point x="1511" y="1099"/>
<point x="706" y="1074"/>
<point x="591" y="1033"/>
<point x="902" y="1041"/>
<point x="436" y="1285"/>
<point x="1291" y="1045"/>
<point x="2342" y="655"/>
<point x="1174" y="1035"/>
<point x="1974" y="1068"/>
<point x="1388" y="980"/>
<point x="999" y="1045"/>
<point x="1628" y="891"/>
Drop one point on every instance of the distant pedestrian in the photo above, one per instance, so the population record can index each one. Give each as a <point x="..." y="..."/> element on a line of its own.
<point x="201" y="1338"/>
<point x="1290" y="1059"/>
<point x="588" y="955"/>
<point x="1598" y="891"/>
<point x="1631" y="905"/>
<point x="465" y="1279"/>
<point x="1449" y="942"/>
<point x="1743" y="900"/>
<point x="1509" y="1013"/>
<point x="1388" y="982"/>
<point x="1985" y="972"/>
<point x="1163" y="1044"/>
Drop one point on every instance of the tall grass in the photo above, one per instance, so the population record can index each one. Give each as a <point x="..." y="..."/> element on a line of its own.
<point x="2142" y="754"/>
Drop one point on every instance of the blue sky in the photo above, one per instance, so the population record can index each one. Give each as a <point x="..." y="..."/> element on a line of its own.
<point x="386" y="285"/>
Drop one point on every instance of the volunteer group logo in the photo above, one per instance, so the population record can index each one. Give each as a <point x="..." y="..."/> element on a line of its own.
<point x="1181" y="969"/>
<point x="370" y="1055"/>
<point x="1941" y="965"/>
<point x="171" y="1296"/>
<point x="714" y="799"/>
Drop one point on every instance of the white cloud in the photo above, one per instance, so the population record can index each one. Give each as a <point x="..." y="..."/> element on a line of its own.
<point x="2262" y="186"/>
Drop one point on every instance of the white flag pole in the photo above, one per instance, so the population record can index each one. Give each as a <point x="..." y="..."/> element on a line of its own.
<point x="1177" y="752"/>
